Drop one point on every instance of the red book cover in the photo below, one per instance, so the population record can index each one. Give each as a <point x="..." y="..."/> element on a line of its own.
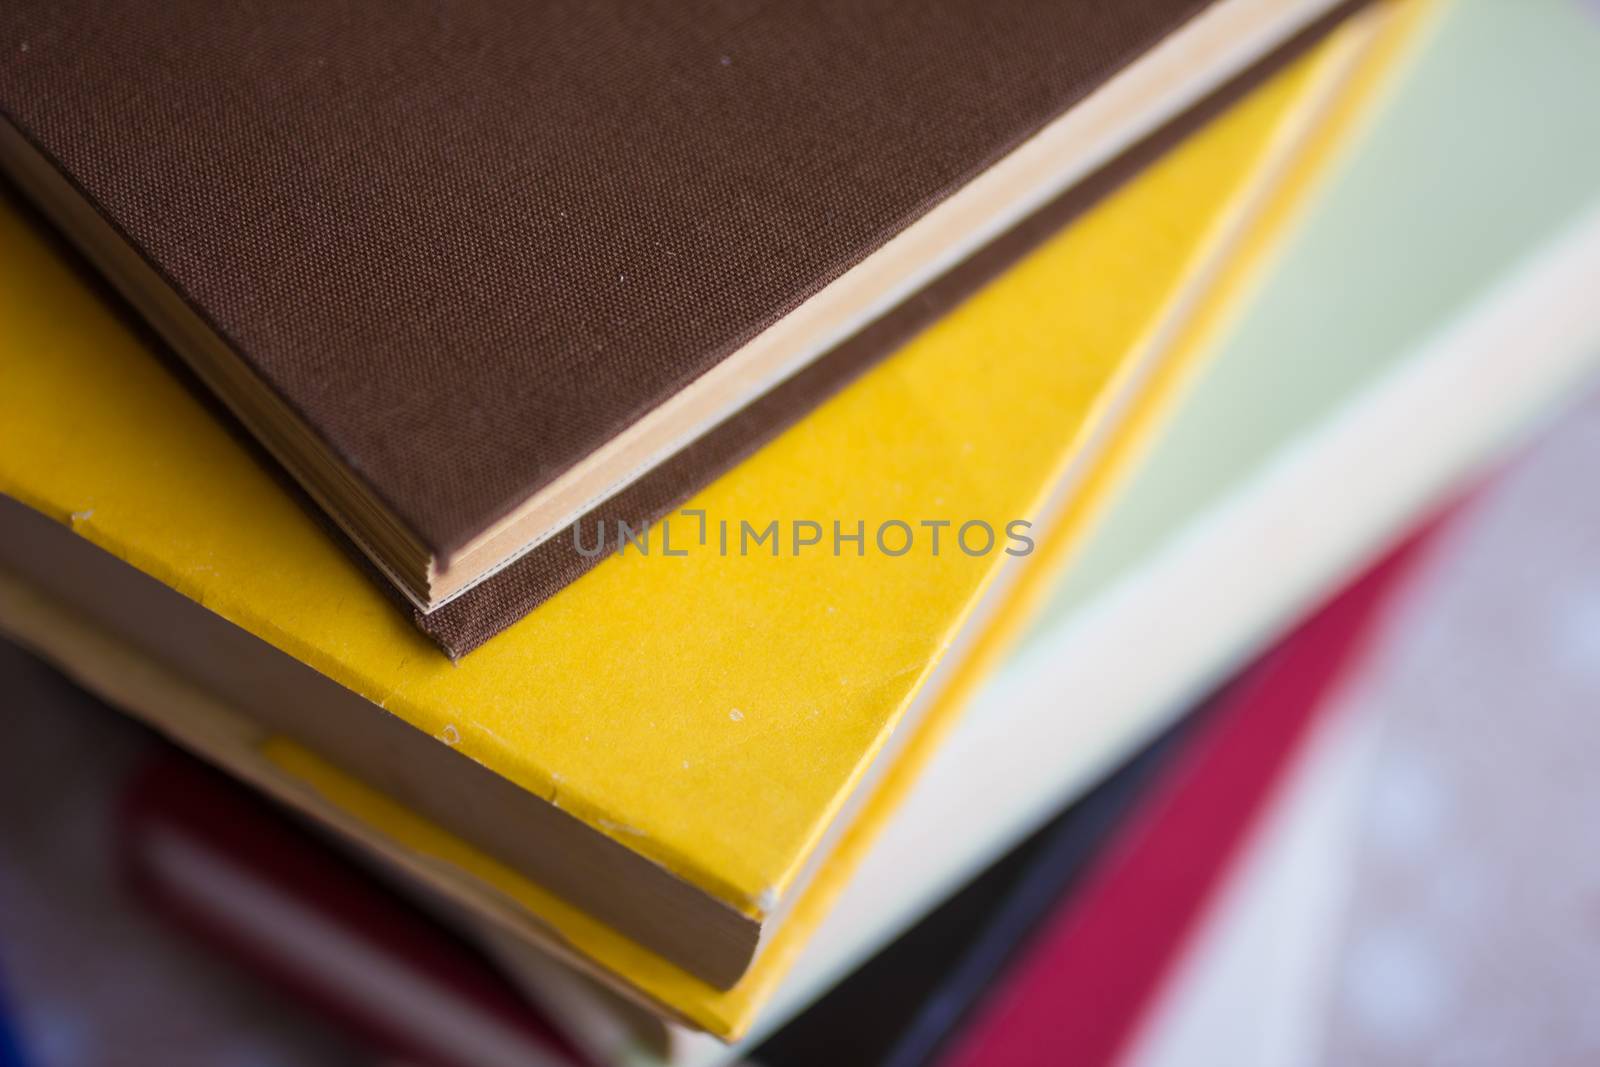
<point x="1093" y="971"/>
<point x="229" y="867"/>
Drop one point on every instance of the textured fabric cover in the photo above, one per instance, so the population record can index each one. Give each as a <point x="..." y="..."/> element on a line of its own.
<point x="470" y="242"/>
<point x="488" y="608"/>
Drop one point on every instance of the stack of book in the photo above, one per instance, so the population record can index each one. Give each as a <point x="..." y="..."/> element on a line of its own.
<point x="679" y="489"/>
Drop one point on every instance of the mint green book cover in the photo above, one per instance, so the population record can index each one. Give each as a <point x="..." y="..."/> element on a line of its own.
<point x="1489" y="149"/>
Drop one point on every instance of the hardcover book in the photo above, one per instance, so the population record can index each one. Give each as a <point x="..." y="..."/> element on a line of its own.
<point x="470" y="273"/>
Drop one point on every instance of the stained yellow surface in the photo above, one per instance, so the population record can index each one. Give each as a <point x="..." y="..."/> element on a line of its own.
<point x="709" y="712"/>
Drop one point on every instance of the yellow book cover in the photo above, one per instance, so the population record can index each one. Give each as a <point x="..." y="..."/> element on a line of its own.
<point x="712" y="712"/>
<point x="1336" y="94"/>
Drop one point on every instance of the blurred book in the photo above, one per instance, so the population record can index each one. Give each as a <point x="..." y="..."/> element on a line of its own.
<point x="91" y="977"/>
<point x="1112" y="945"/>
<point x="236" y="871"/>
<point x="1433" y="901"/>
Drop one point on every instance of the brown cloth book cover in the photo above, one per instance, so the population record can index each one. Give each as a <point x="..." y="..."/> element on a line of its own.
<point x="467" y="247"/>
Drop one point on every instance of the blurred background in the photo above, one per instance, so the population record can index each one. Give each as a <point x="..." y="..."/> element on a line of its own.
<point x="1422" y="886"/>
